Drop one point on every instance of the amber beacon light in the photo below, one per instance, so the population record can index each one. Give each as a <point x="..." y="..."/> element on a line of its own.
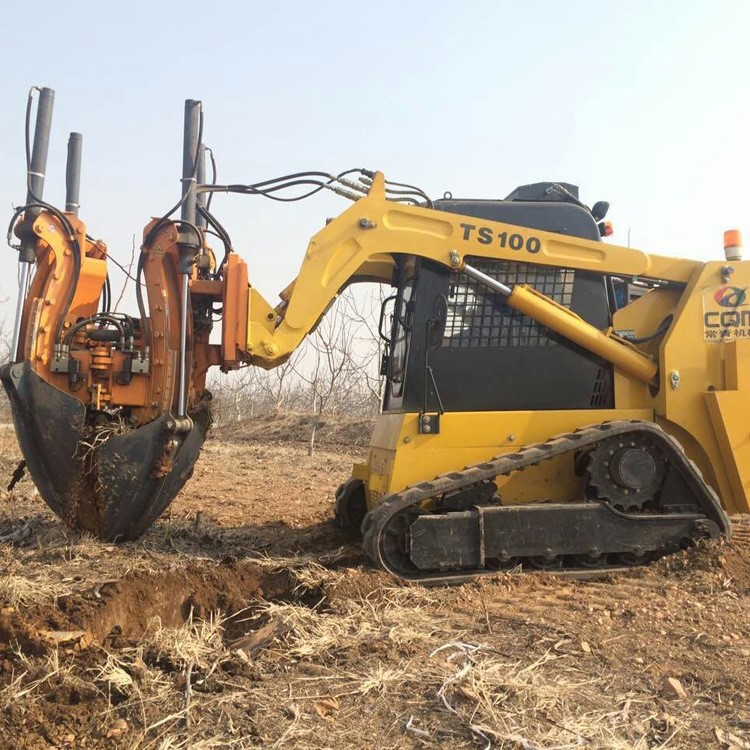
<point x="733" y="244"/>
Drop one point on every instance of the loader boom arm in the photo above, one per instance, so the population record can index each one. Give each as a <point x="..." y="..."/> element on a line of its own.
<point x="360" y="243"/>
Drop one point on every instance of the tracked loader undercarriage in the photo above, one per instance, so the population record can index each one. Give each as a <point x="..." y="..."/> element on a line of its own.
<point x="442" y="541"/>
<point x="551" y="401"/>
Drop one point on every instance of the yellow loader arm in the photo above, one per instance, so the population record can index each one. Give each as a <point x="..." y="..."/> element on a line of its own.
<point x="359" y="246"/>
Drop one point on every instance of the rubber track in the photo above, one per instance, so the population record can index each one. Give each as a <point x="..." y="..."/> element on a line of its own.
<point x="741" y="530"/>
<point x="378" y="518"/>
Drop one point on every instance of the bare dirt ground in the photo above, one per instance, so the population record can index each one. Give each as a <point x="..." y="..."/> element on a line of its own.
<point x="244" y="619"/>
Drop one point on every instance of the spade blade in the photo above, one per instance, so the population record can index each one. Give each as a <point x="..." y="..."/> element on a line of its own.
<point x="112" y="485"/>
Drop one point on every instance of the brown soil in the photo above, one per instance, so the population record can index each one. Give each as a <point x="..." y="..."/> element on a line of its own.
<point x="243" y="619"/>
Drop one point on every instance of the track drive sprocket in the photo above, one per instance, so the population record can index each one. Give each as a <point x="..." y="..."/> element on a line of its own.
<point x="627" y="472"/>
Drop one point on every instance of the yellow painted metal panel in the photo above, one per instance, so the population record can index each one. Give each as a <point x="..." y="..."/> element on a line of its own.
<point x="400" y="456"/>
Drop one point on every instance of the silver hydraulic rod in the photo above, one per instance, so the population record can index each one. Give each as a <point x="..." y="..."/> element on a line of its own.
<point x="493" y="284"/>
<point x="190" y="153"/>
<point x="182" y="394"/>
<point x="22" y="284"/>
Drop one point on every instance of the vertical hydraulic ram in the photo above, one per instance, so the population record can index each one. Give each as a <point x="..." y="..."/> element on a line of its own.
<point x="35" y="174"/>
<point x="73" y="174"/>
<point x="190" y="243"/>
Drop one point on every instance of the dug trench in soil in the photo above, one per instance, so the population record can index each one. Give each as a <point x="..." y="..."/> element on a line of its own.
<point x="124" y="610"/>
<point x="155" y="616"/>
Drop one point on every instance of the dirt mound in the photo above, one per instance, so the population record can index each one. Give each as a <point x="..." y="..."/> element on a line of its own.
<point x="332" y="430"/>
<point x="725" y="563"/>
<point x="16" y="631"/>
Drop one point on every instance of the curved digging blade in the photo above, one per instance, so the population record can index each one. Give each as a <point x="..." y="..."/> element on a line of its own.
<point x="139" y="473"/>
<point x="49" y="425"/>
<point x="111" y="485"/>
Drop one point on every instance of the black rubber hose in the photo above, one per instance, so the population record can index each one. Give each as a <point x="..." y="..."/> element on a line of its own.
<point x="663" y="328"/>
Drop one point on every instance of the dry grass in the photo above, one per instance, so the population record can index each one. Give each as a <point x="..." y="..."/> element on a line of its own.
<point x="199" y="643"/>
<point x="360" y="661"/>
<point x="463" y="692"/>
<point x="35" y="673"/>
<point x="18" y="589"/>
<point x="393" y="662"/>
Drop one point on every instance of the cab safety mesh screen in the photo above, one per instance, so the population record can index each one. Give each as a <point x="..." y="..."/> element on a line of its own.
<point x="477" y="316"/>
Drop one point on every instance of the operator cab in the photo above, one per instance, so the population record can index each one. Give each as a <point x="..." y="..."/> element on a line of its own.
<point x="487" y="356"/>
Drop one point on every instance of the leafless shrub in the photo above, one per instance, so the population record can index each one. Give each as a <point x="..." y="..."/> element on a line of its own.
<point x="332" y="375"/>
<point x="335" y="372"/>
<point x="279" y="386"/>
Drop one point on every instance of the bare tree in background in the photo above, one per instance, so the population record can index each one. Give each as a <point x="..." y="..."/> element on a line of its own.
<point x="364" y="314"/>
<point x="235" y="395"/>
<point x="339" y="367"/>
<point x="128" y="274"/>
<point x="335" y="371"/>
<point x="276" y="383"/>
<point x="252" y="391"/>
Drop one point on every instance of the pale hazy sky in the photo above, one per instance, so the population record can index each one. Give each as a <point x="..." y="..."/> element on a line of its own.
<point x="644" y="104"/>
